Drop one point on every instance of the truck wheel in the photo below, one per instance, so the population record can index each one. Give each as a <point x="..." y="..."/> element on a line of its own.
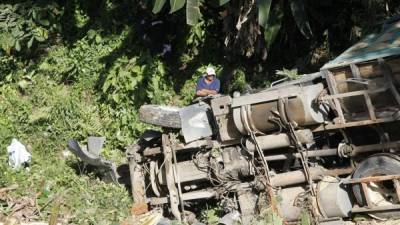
<point x="381" y="193"/>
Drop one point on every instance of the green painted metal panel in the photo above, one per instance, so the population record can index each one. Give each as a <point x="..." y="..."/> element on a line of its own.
<point x="374" y="46"/>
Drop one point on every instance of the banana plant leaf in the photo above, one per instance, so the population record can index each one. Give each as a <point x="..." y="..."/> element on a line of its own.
<point x="176" y="5"/>
<point x="300" y="16"/>
<point x="193" y="12"/>
<point x="263" y="12"/>
<point x="222" y="2"/>
<point x="158" y="5"/>
<point x="274" y="25"/>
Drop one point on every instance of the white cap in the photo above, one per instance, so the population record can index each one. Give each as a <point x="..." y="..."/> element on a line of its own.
<point x="210" y="71"/>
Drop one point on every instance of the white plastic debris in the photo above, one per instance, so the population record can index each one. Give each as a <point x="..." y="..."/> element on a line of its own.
<point x="17" y="154"/>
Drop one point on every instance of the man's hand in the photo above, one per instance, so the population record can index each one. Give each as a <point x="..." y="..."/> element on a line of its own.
<point x="205" y="92"/>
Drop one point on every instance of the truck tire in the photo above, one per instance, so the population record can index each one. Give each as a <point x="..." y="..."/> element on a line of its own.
<point x="379" y="164"/>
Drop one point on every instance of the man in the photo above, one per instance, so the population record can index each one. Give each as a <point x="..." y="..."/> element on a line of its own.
<point x="208" y="84"/>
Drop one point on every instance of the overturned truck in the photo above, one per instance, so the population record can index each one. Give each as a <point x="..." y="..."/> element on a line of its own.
<point x="327" y="142"/>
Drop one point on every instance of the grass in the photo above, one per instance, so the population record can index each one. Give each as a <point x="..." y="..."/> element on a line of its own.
<point x="43" y="116"/>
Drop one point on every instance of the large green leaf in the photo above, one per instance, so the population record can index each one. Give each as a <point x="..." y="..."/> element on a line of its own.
<point x="300" y="16"/>
<point x="222" y="2"/>
<point x="274" y="25"/>
<point x="193" y="12"/>
<point x="176" y="5"/>
<point x="263" y="12"/>
<point x="158" y="5"/>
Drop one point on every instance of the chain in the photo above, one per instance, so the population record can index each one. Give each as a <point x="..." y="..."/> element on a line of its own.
<point x="282" y="106"/>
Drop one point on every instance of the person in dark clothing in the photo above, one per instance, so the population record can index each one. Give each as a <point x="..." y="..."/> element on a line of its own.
<point x="208" y="84"/>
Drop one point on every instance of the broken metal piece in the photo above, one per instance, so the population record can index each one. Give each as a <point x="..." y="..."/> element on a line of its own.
<point x="95" y="144"/>
<point x="136" y="175"/>
<point x="169" y="171"/>
<point x="247" y="203"/>
<point x="333" y="198"/>
<point x="94" y="160"/>
<point x="194" y="122"/>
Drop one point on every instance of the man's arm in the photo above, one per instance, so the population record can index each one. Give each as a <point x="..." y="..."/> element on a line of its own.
<point x="212" y="92"/>
<point x="205" y="92"/>
<point x="201" y="93"/>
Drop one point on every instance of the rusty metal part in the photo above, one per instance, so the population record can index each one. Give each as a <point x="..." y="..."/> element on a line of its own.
<point x="202" y="194"/>
<point x="178" y="182"/>
<point x="376" y="208"/>
<point x="335" y="221"/>
<point x="287" y="206"/>
<point x="396" y="184"/>
<point x="298" y="176"/>
<point x="235" y="165"/>
<point x="137" y="175"/>
<point x="188" y="171"/>
<point x="154" y="187"/>
<point x="371" y="179"/>
<point x="332" y="86"/>
<point x="377" y="92"/>
<point x="365" y="191"/>
<point x="221" y="106"/>
<point x="300" y="108"/>
<point x="150" y="151"/>
<point x="333" y="198"/>
<point x="394" y="145"/>
<point x="356" y="150"/>
<point x="388" y="75"/>
<point x="222" y="111"/>
<point x="310" y="154"/>
<point x="335" y="126"/>
<point x="194" y="122"/>
<point x="247" y="203"/>
<point x="139" y="208"/>
<point x="169" y="172"/>
<point x="93" y="158"/>
<point x="282" y="140"/>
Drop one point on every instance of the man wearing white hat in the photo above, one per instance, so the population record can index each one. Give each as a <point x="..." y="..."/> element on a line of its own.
<point x="208" y="84"/>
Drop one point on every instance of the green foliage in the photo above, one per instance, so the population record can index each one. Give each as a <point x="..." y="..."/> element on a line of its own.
<point x="222" y="2"/>
<point x="263" y="12"/>
<point x="194" y="42"/>
<point x="129" y="84"/>
<point x="268" y="216"/>
<point x="9" y="69"/>
<point x="44" y="118"/>
<point x="81" y="62"/>
<point x="300" y="17"/>
<point x="273" y="26"/>
<point x="176" y="5"/>
<point x="291" y="74"/>
<point x="158" y="5"/>
<point x="21" y="25"/>
<point x="211" y="216"/>
<point x="270" y="21"/>
<point x="239" y="81"/>
<point x="193" y="14"/>
<point x="305" y="218"/>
